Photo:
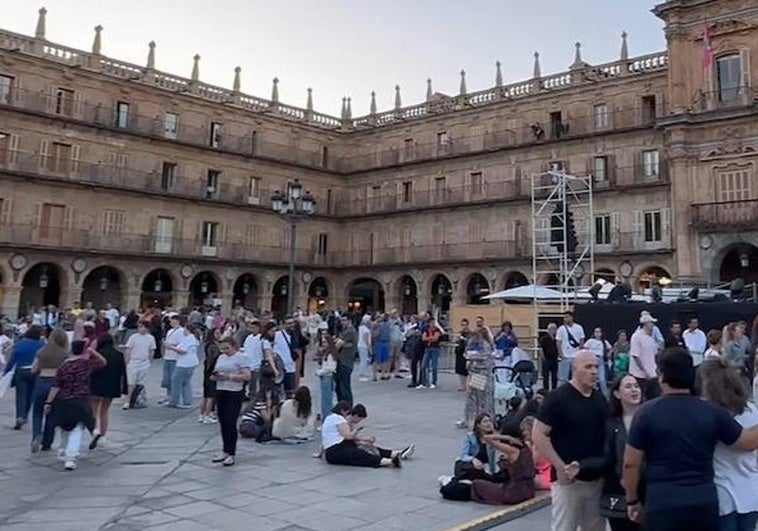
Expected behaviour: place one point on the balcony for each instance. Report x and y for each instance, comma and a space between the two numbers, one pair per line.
635, 242
84, 240
424, 254
725, 215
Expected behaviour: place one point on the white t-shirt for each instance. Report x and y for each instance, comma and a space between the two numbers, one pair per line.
174, 335
736, 472
231, 365
282, 342
112, 315
330, 435
577, 332
364, 333
189, 359
253, 349
139, 346
597, 346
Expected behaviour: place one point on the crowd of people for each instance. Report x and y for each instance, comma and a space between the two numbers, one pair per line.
651, 429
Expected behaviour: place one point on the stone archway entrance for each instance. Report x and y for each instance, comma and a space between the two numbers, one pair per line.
365, 295
318, 295
156, 289
41, 286
741, 261
408, 295
101, 286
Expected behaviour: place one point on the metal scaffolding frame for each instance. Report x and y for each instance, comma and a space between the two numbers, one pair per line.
558, 198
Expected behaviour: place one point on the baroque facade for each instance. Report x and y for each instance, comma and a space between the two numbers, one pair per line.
126, 184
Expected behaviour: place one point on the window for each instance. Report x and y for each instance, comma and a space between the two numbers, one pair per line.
439, 188
443, 142
254, 143
254, 189
168, 172
476, 184
209, 236
324, 156
733, 185
50, 222
122, 115
329, 201
164, 234
729, 77
64, 102
60, 158
6, 84
603, 229
650, 164
601, 116
322, 244
114, 222
649, 110
600, 169
215, 139
653, 226
212, 187
407, 192
170, 125
4, 147
557, 127
409, 148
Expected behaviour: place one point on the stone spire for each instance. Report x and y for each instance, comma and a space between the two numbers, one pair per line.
349, 109
195, 69
429, 90
343, 114
309, 101
237, 85
537, 70
151, 56
578, 63
624, 47
40, 31
275, 91
97, 44
498, 75
463, 83
398, 100
372, 107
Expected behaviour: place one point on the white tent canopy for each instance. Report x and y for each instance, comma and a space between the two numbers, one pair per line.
531, 292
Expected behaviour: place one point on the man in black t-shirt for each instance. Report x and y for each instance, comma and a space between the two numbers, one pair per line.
675, 435
570, 427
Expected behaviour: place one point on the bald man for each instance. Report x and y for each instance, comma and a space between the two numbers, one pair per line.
570, 428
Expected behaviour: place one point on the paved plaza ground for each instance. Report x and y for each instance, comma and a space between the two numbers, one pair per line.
154, 472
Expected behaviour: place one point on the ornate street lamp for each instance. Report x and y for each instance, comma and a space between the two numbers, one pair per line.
294, 206
44, 280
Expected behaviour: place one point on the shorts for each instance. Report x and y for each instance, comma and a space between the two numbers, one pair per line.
136, 374
209, 388
382, 352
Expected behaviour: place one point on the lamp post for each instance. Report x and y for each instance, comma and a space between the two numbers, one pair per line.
293, 206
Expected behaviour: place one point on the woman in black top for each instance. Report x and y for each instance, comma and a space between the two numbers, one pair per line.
625, 399
460, 356
106, 384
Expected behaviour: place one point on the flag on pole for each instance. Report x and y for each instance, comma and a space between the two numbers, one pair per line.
707, 48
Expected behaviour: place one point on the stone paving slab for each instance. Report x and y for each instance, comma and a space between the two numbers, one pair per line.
153, 471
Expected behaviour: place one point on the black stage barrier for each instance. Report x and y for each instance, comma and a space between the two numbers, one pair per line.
626, 316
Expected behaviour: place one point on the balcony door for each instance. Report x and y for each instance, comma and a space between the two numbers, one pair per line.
164, 234
51, 222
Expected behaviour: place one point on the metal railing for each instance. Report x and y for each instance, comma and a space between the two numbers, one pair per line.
731, 214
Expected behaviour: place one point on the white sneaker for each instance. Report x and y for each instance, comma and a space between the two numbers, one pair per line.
70, 464
444, 480
201, 419
125, 406
432, 386
422, 386
363, 379
210, 420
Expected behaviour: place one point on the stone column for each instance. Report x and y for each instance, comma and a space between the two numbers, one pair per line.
179, 299
70, 296
11, 300
131, 301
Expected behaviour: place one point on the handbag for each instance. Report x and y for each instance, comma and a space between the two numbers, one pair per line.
613, 506
477, 381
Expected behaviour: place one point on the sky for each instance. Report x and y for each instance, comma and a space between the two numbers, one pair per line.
349, 47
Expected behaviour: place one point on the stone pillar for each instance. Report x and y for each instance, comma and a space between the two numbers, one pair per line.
131, 301
179, 299
11, 300
226, 304
70, 296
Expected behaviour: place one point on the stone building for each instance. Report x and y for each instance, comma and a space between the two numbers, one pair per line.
123, 183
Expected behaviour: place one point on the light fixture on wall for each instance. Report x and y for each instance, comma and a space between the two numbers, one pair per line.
44, 280
283, 288
744, 261
441, 289
158, 285
104, 283
477, 287
407, 290
204, 286
319, 291
245, 288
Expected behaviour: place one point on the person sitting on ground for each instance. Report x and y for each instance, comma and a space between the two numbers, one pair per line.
296, 419
359, 414
476, 460
340, 442
516, 461
257, 421
542, 466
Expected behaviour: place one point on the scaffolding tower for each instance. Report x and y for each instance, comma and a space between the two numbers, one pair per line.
562, 233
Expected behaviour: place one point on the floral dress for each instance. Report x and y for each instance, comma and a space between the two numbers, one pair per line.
480, 361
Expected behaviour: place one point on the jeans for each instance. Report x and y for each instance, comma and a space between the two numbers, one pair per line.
738, 522
41, 389
342, 384
429, 366
327, 395
228, 405
549, 374
363, 363
71, 441
601, 376
416, 360
169, 366
564, 370
704, 517
181, 386
24, 381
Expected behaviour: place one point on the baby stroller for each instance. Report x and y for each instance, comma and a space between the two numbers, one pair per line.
513, 385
